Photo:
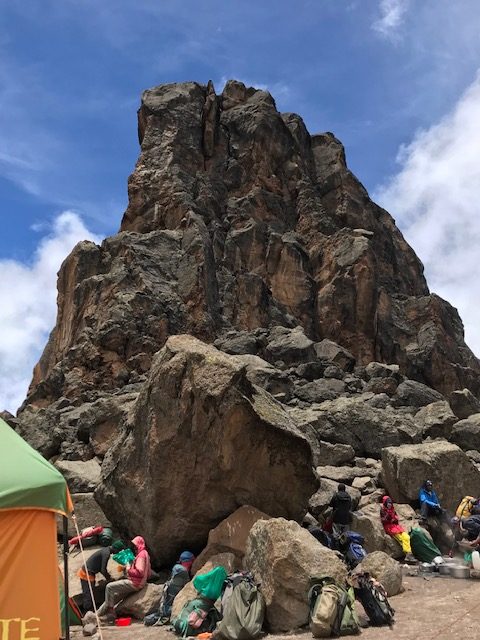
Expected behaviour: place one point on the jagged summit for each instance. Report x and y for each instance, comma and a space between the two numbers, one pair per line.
239, 219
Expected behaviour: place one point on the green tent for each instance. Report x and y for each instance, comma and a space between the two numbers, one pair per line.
32, 494
26, 478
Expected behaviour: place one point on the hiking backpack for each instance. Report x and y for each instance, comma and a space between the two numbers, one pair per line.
197, 616
374, 600
355, 554
243, 608
332, 609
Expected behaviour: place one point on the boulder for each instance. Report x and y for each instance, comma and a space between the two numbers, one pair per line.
351, 421
290, 346
371, 498
436, 420
387, 386
333, 454
364, 484
375, 370
88, 513
202, 441
320, 390
384, 569
415, 394
283, 557
466, 433
81, 477
405, 468
464, 403
238, 343
264, 375
345, 474
230, 536
321, 499
140, 604
329, 350
226, 560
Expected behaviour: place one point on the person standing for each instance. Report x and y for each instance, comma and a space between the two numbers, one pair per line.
97, 563
137, 575
341, 505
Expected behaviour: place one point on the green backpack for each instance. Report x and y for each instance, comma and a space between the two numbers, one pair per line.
332, 609
197, 616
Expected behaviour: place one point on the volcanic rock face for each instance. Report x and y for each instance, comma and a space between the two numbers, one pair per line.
238, 218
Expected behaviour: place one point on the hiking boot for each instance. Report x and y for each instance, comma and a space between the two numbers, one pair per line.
410, 559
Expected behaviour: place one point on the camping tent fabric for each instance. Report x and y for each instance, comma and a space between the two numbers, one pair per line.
29, 596
27, 480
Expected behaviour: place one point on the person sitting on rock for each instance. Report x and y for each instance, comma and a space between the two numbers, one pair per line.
138, 573
470, 530
341, 505
429, 502
391, 526
97, 563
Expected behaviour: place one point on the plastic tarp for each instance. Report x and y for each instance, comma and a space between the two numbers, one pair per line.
27, 480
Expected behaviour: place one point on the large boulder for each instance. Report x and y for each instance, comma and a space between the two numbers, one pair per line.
346, 474
143, 602
436, 420
202, 441
81, 476
329, 350
334, 454
352, 421
320, 390
283, 557
226, 560
384, 569
290, 346
464, 403
415, 394
405, 468
466, 433
230, 536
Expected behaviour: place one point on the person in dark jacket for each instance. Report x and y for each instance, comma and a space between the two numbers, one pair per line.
97, 563
470, 530
429, 502
341, 505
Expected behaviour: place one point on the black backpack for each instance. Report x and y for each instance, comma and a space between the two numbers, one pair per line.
373, 597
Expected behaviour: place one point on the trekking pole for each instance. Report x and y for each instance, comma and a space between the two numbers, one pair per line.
74, 518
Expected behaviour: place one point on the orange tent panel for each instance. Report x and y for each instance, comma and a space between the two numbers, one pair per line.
29, 597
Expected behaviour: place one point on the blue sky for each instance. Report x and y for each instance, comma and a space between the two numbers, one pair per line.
395, 80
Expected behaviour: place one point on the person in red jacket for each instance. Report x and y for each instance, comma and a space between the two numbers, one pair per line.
137, 575
389, 519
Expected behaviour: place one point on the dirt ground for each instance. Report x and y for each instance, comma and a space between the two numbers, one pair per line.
431, 608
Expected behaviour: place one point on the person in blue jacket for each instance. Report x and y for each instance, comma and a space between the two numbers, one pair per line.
429, 502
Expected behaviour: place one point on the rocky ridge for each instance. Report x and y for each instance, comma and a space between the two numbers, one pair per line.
309, 338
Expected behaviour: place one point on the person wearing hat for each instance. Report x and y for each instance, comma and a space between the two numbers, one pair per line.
429, 502
97, 563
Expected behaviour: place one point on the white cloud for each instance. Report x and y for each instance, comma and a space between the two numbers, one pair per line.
28, 306
392, 15
436, 197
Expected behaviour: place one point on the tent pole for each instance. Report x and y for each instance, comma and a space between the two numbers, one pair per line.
65, 574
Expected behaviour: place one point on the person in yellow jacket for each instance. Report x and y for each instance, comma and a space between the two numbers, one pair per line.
469, 506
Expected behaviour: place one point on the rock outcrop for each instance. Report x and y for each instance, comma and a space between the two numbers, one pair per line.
238, 218
202, 441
